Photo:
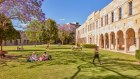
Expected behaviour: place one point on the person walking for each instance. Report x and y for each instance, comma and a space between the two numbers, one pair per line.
96, 55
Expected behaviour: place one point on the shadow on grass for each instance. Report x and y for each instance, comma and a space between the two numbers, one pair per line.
116, 65
36, 64
58, 48
77, 72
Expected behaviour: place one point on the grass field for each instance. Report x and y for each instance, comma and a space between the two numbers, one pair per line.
68, 64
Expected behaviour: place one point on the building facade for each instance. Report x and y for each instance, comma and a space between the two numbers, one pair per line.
23, 41
115, 27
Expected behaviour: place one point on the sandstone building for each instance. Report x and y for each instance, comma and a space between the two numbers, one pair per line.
115, 27
23, 41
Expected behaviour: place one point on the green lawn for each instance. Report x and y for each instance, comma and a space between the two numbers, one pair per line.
68, 64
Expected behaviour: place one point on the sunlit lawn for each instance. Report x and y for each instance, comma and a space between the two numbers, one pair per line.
68, 64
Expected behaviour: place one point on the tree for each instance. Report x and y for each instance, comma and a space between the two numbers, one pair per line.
8, 32
23, 10
61, 36
34, 30
67, 31
50, 31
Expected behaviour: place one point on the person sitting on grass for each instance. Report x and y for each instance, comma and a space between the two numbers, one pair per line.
45, 57
33, 57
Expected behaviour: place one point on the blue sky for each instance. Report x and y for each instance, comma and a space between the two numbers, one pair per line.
64, 11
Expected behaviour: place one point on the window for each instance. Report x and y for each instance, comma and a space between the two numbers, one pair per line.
120, 13
106, 19
101, 21
97, 23
112, 16
130, 8
93, 26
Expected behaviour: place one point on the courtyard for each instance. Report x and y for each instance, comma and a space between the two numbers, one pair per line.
67, 64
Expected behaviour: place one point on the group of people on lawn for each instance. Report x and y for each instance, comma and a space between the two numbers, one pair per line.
43, 57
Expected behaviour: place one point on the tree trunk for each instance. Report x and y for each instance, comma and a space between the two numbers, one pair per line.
35, 44
1, 45
48, 44
62, 42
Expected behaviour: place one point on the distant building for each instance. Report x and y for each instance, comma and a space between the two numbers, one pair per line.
23, 41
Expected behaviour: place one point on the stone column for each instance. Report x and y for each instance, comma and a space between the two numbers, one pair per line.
137, 42
96, 32
116, 41
109, 43
116, 46
125, 43
104, 43
87, 39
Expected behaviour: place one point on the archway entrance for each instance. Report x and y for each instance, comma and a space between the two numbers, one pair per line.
120, 40
106, 40
102, 41
112, 40
131, 41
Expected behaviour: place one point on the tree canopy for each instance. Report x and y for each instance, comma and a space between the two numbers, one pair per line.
50, 31
9, 32
23, 10
34, 31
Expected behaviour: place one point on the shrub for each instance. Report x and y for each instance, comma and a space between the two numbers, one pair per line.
78, 45
89, 45
137, 55
2, 53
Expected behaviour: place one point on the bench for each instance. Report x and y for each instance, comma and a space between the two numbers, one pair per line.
2, 53
76, 47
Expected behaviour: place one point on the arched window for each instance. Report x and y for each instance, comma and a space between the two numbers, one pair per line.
130, 8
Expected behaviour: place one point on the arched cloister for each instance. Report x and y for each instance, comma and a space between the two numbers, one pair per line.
130, 39
101, 41
120, 40
112, 40
106, 40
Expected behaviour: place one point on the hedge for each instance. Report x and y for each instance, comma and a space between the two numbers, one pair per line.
137, 55
89, 45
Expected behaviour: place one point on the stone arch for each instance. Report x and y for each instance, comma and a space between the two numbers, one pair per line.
101, 41
120, 40
106, 40
112, 40
130, 39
